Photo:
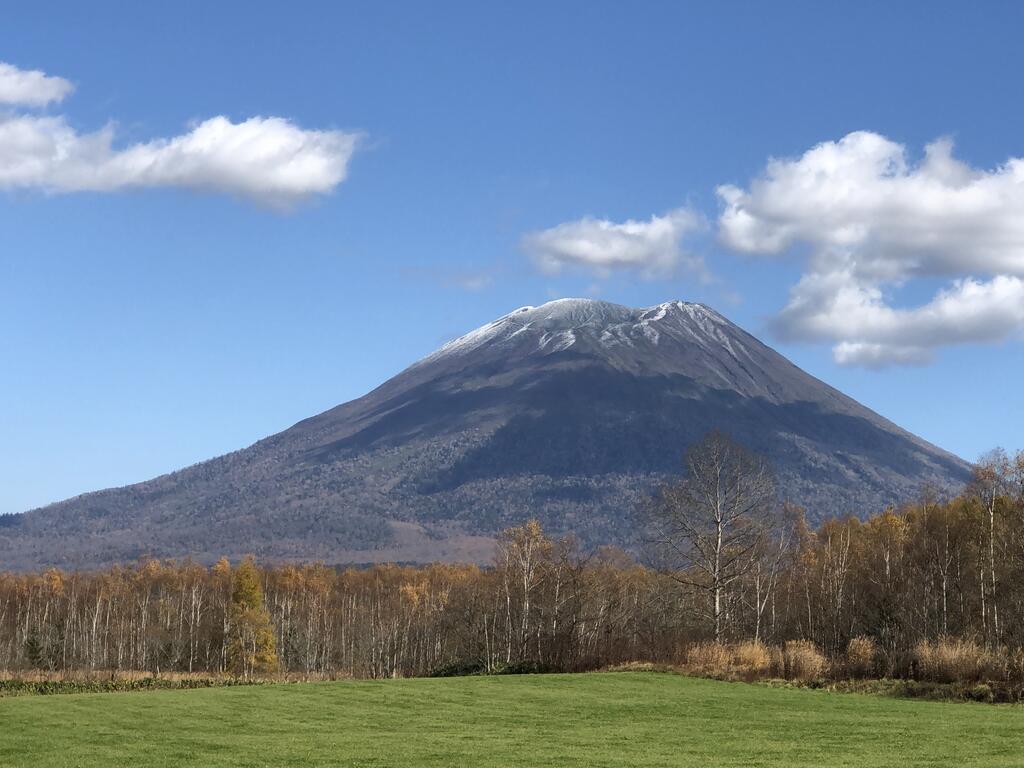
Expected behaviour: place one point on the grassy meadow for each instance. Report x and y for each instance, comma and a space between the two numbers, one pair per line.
613, 719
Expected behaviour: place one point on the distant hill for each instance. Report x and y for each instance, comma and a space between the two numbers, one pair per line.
570, 412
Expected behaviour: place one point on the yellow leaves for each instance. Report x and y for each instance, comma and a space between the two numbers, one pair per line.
247, 590
53, 580
423, 594
222, 566
149, 570
253, 648
526, 543
889, 525
414, 594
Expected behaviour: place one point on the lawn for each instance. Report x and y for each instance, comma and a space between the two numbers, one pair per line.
613, 719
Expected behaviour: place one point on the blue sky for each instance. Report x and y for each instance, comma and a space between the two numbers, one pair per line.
160, 306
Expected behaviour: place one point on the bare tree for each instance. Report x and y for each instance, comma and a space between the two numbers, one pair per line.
989, 485
709, 525
522, 553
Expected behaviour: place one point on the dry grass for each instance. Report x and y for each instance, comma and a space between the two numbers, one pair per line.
752, 658
1015, 665
639, 666
803, 661
709, 658
749, 660
956, 660
862, 657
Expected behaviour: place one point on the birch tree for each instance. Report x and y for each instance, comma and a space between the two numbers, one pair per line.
707, 526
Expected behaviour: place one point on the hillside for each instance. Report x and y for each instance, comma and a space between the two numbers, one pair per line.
570, 412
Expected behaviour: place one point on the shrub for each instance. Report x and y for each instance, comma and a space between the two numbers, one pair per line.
638, 666
524, 667
803, 661
954, 660
752, 657
43, 687
861, 657
1015, 665
460, 668
981, 692
709, 657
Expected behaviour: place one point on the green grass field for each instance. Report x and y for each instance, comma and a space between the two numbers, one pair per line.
614, 719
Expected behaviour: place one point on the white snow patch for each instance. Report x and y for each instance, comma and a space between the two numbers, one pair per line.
557, 342
559, 324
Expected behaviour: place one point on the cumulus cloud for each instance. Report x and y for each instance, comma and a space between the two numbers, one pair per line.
839, 307
266, 159
30, 88
870, 219
650, 247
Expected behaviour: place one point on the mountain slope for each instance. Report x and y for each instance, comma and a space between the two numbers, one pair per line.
571, 412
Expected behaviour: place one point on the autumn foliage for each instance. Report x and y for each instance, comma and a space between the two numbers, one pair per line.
933, 591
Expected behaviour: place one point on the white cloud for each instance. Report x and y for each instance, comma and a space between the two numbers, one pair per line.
30, 88
266, 159
870, 218
650, 247
838, 307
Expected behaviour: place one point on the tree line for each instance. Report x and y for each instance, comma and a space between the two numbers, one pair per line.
720, 561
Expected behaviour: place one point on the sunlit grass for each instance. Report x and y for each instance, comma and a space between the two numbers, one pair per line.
613, 719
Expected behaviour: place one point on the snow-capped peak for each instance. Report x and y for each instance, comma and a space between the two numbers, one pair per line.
557, 325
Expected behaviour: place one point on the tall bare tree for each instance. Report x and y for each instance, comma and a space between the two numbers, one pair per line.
708, 526
990, 486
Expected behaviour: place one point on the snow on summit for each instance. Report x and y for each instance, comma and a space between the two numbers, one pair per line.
557, 325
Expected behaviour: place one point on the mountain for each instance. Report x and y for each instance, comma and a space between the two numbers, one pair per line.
570, 412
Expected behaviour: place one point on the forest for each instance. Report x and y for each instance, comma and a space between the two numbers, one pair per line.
935, 587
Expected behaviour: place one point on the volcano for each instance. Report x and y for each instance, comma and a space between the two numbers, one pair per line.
570, 412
